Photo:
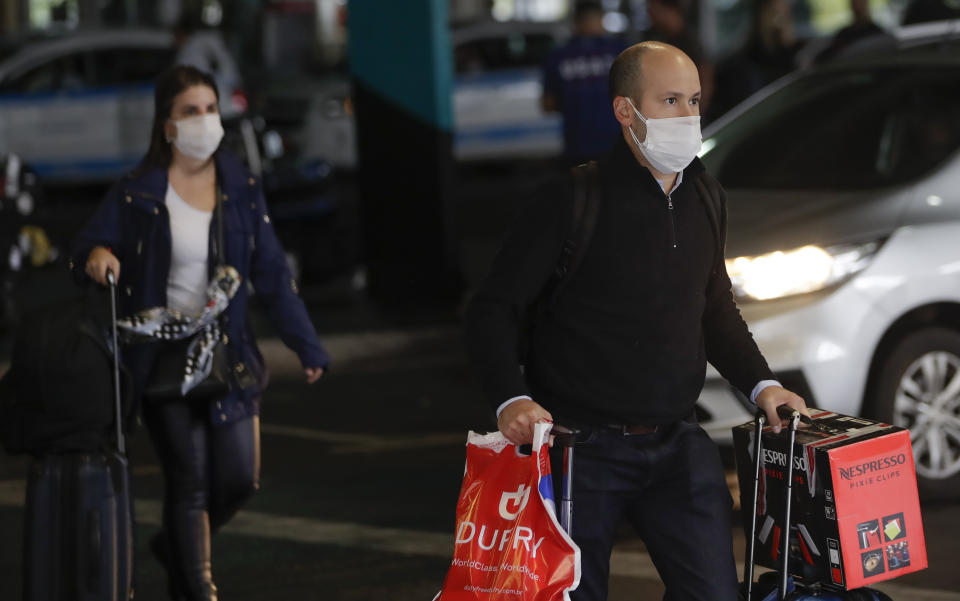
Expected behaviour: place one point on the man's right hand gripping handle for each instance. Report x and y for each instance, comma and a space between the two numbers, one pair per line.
517, 419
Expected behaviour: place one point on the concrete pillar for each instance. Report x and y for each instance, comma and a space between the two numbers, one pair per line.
402, 73
10, 16
14, 16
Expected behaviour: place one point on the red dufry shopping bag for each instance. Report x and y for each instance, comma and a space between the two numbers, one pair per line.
509, 545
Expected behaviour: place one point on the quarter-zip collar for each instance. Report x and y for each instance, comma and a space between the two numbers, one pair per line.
632, 174
676, 184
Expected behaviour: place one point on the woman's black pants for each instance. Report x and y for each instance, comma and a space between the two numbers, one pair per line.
209, 472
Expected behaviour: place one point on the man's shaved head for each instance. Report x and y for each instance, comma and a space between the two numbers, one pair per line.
652, 80
626, 72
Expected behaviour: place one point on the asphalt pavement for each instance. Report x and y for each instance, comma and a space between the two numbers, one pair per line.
359, 485
361, 472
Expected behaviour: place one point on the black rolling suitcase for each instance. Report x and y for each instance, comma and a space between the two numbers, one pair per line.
78, 531
783, 587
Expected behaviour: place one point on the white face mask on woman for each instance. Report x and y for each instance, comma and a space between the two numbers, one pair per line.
198, 137
671, 144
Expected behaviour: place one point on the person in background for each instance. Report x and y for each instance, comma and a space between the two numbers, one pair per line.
769, 53
202, 46
862, 27
575, 84
670, 24
158, 232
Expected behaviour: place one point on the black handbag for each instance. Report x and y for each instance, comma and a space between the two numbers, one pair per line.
166, 377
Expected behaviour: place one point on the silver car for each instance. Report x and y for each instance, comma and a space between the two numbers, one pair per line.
844, 242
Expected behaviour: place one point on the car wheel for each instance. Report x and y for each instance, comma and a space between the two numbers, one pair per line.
918, 387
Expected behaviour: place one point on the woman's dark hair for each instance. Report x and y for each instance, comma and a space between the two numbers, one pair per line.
168, 85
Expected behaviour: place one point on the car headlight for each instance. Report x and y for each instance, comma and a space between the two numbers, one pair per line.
798, 271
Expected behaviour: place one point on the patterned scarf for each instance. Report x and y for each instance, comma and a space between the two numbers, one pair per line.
161, 323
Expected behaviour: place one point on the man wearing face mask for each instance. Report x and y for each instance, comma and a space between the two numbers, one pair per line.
621, 353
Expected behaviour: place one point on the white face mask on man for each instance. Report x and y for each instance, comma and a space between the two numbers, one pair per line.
198, 137
671, 143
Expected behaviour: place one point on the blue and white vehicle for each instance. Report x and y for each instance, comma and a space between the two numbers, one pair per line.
497, 89
78, 108
496, 99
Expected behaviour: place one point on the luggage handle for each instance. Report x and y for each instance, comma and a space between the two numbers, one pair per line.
566, 438
118, 410
787, 412
794, 417
761, 419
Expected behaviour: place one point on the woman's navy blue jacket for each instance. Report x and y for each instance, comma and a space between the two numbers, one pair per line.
132, 221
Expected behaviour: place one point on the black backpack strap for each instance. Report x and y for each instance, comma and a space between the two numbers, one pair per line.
711, 195
586, 206
583, 219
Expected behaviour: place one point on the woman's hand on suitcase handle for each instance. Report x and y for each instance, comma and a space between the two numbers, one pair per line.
772, 397
517, 419
99, 262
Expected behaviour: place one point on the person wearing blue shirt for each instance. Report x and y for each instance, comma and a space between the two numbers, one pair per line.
575, 84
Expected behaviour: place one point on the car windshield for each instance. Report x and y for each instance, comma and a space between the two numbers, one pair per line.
842, 130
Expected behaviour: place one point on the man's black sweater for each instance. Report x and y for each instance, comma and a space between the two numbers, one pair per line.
628, 339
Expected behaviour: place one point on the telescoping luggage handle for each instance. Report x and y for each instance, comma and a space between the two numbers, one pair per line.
118, 410
795, 418
566, 438
757, 454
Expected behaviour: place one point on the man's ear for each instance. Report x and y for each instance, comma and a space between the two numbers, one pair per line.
623, 111
627, 118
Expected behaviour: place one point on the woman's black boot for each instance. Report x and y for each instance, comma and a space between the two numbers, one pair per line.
160, 551
191, 559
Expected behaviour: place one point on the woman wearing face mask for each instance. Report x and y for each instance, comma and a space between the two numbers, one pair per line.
183, 234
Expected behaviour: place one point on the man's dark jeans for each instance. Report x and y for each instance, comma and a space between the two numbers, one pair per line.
670, 486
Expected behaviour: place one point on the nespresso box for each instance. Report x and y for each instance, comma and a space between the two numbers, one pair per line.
856, 513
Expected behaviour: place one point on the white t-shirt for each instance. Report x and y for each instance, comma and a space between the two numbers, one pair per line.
190, 238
